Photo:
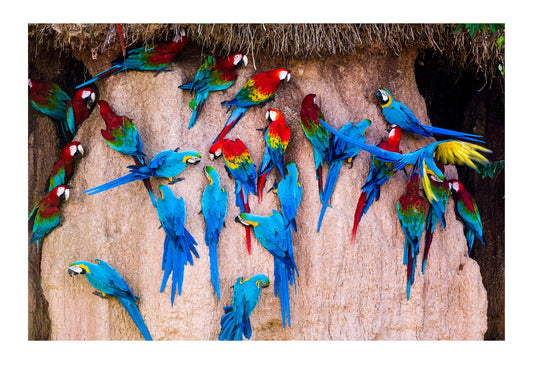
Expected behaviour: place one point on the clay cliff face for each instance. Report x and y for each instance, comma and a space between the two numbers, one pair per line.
342, 293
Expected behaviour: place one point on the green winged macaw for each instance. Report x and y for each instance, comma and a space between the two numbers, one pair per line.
379, 173
289, 192
214, 208
239, 162
64, 167
466, 208
236, 319
146, 58
79, 108
424, 159
108, 282
213, 75
310, 117
179, 243
167, 164
277, 136
275, 234
340, 151
256, 91
398, 114
411, 210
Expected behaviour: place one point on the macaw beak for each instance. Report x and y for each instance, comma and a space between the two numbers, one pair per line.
80, 149
194, 160
244, 60
264, 285
240, 220
75, 270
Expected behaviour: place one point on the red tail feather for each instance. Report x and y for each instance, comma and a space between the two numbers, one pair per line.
357, 215
260, 185
320, 182
248, 236
429, 239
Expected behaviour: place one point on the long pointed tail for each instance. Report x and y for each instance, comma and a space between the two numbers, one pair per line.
331, 180
242, 202
236, 115
114, 183
228, 329
261, 180
358, 214
455, 134
107, 72
196, 105
135, 314
411, 262
213, 262
139, 161
283, 277
430, 228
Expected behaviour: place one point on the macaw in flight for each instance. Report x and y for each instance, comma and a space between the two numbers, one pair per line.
167, 164
340, 151
108, 282
64, 167
257, 91
397, 113
466, 208
274, 233
277, 136
379, 173
178, 241
242, 168
411, 210
310, 117
289, 192
236, 319
145, 58
214, 208
213, 75
79, 108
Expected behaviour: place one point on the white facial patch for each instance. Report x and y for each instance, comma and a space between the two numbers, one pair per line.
86, 93
76, 269
73, 149
384, 95
236, 59
284, 75
455, 186
193, 160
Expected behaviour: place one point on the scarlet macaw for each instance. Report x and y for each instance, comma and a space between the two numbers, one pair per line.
257, 91
63, 169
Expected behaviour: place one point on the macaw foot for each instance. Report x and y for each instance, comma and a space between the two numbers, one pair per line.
350, 161
100, 294
175, 180
177, 149
262, 129
162, 70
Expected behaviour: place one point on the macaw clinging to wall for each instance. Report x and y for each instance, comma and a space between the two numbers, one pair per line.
310, 117
339, 152
236, 319
166, 164
275, 234
257, 91
277, 136
289, 192
213, 75
79, 108
411, 210
379, 173
436, 210
397, 113
214, 208
64, 167
466, 208
242, 168
108, 282
178, 241
145, 58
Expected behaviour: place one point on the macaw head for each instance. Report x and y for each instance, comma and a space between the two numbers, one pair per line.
247, 219
292, 171
283, 74
60, 192
86, 94
211, 174
216, 150
384, 97
70, 150
273, 114
455, 185
79, 268
260, 280
238, 58
191, 157
309, 100
105, 109
434, 177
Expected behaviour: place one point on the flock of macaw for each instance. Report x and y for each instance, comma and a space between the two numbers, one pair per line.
275, 231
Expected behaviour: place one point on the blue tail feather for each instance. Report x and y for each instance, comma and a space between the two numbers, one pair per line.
331, 180
228, 329
213, 261
199, 98
114, 183
134, 313
115, 68
456, 134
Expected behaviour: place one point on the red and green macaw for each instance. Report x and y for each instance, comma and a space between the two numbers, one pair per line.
310, 117
411, 210
79, 108
178, 241
379, 173
145, 58
436, 210
277, 136
108, 282
275, 234
398, 114
257, 91
339, 152
242, 168
63, 169
214, 208
466, 208
236, 319
213, 75
289, 192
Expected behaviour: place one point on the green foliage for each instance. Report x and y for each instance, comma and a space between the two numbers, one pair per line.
491, 169
472, 28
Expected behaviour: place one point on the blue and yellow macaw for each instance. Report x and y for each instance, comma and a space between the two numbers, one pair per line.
339, 152
466, 208
398, 114
239, 162
178, 241
275, 234
289, 192
213, 75
411, 210
166, 164
236, 319
108, 282
277, 136
424, 159
214, 208
310, 117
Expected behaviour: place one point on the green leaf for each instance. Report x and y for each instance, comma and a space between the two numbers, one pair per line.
491, 169
500, 42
